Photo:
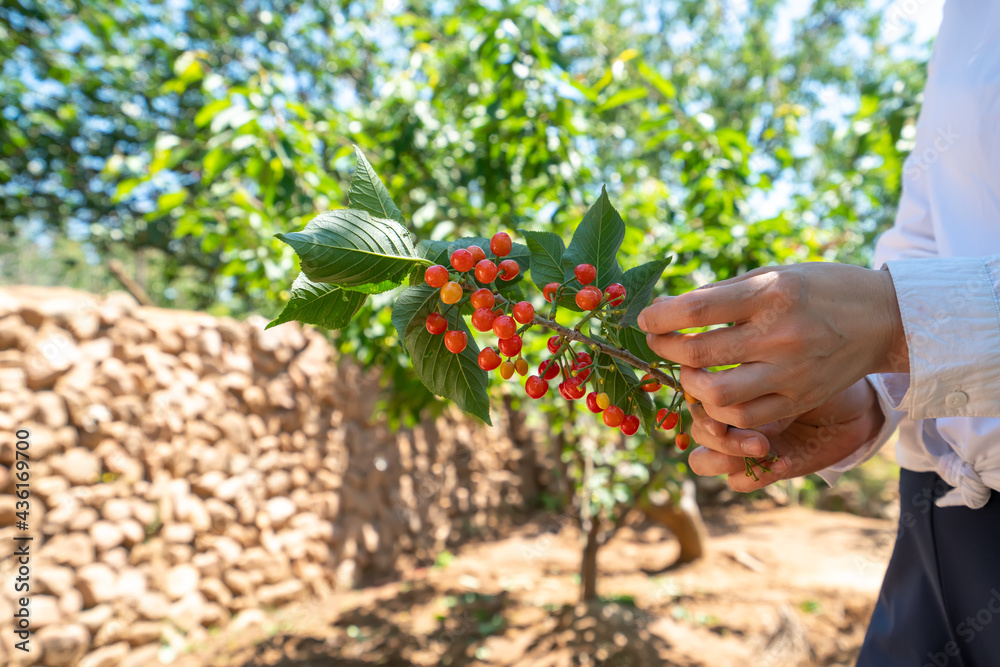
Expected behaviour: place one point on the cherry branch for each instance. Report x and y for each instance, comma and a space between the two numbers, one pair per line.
610, 350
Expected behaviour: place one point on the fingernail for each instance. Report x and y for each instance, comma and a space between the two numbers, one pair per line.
753, 447
641, 321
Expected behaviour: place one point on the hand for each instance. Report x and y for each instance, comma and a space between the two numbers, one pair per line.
802, 334
804, 444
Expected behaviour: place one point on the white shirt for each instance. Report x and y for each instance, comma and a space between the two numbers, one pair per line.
944, 257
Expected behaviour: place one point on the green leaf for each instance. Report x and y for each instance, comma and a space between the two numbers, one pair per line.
618, 380
320, 304
453, 376
639, 282
597, 240
547, 251
633, 339
368, 193
354, 251
665, 87
620, 98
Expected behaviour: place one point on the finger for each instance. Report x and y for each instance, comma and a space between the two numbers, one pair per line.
718, 347
700, 308
708, 463
731, 386
754, 413
734, 442
713, 427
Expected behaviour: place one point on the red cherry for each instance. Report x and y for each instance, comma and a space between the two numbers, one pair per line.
588, 298
614, 416
630, 425
549, 291
592, 403
554, 344
583, 359
436, 324
535, 386
504, 326
615, 293
524, 312
482, 319
650, 384
482, 298
488, 359
509, 269
548, 369
478, 254
461, 260
486, 271
682, 440
574, 388
667, 420
585, 273
500, 244
510, 347
436, 276
455, 341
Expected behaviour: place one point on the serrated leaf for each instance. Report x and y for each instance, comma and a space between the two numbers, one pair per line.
618, 381
456, 377
633, 339
320, 304
354, 251
597, 240
547, 251
368, 193
639, 282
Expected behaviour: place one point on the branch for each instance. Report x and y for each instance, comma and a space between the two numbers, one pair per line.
611, 351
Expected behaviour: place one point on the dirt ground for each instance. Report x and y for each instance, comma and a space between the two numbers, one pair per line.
780, 586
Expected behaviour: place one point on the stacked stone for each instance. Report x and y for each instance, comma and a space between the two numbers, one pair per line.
186, 469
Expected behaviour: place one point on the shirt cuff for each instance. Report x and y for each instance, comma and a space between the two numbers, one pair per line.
952, 323
866, 451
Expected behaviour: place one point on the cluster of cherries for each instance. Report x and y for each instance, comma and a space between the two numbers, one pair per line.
575, 373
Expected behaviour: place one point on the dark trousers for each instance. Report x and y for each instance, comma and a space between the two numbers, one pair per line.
940, 602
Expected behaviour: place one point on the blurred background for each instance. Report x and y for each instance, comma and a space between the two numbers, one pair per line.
211, 493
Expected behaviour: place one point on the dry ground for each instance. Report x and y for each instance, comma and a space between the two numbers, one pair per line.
781, 586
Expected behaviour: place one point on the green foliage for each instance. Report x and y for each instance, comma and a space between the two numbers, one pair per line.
320, 304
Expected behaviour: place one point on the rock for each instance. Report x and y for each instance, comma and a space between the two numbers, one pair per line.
78, 465
132, 532
106, 656
132, 584
70, 602
280, 593
53, 580
8, 511
153, 605
44, 611
187, 613
97, 583
142, 632
83, 519
105, 535
72, 549
50, 409
145, 656
63, 644
181, 580
279, 509
50, 354
116, 510
216, 591
179, 533
96, 617
248, 619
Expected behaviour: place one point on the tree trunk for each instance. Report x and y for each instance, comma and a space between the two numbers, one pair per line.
588, 566
683, 520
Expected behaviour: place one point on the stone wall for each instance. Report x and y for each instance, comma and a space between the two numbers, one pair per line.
186, 468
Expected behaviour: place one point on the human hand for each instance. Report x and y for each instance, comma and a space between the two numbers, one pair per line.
804, 444
802, 334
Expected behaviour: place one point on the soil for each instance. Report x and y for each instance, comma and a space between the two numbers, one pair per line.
779, 586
